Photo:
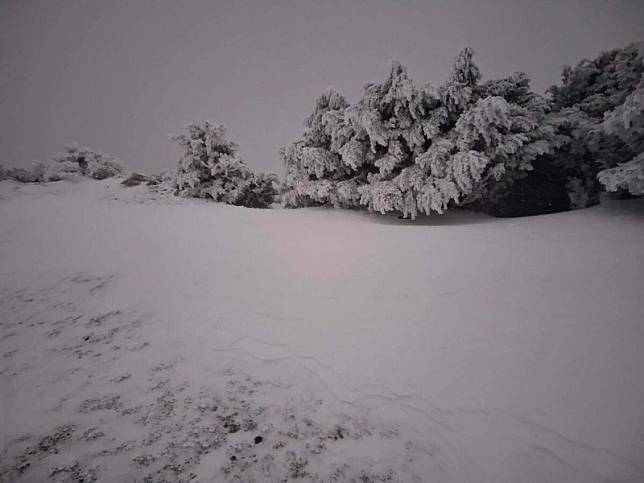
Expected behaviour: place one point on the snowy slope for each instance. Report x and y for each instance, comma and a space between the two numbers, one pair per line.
180, 339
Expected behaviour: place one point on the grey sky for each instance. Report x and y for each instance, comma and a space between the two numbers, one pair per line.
120, 75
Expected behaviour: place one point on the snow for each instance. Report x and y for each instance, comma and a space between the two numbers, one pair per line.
146, 335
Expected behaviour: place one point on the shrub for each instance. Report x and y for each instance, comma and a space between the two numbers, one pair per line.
76, 161
22, 175
73, 163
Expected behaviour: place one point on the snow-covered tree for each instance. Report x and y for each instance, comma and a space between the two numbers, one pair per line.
628, 176
314, 164
600, 85
210, 167
460, 89
594, 109
410, 149
495, 146
627, 123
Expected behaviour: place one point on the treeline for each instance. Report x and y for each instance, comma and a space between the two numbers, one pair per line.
493, 146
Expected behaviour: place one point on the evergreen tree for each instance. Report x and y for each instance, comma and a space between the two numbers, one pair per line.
600, 85
460, 90
495, 146
210, 167
592, 90
314, 164
409, 149
628, 176
627, 123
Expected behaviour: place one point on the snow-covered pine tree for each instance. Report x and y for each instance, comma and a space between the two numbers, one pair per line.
590, 91
460, 89
628, 176
314, 164
475, 141
496, 140
627, 123
409, 149
507, 125
210, 167
203, 148
396, 121
601, 84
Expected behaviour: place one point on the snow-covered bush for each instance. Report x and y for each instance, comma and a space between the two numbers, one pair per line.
73, 163
410, 149
22, 175
210, 167
77, 161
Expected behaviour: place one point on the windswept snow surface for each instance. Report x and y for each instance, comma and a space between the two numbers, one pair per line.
150, 338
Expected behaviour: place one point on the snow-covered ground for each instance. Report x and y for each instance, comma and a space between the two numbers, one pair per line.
151, 338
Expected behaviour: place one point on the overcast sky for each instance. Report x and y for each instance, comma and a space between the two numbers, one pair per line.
120, 76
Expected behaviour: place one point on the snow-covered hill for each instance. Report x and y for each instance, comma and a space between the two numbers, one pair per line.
151, 337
